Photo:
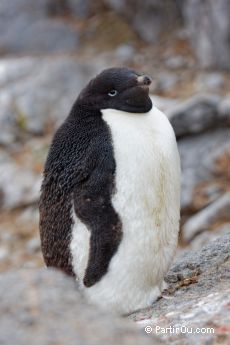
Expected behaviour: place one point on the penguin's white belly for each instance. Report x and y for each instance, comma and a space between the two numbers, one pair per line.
147, 199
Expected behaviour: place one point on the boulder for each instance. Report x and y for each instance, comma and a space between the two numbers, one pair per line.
4, 253
197, 300
199, 154
7, 121
166, 82
208, 28
28, 27
163, 103
79, 8
213, 82
175, 62
216, 212
224, 110
33, 245
195, 115
149, 18
205, 237
201, 126
19, 186
206, 22
38, 93
45, 307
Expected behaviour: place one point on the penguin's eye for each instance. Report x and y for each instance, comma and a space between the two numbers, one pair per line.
113, 93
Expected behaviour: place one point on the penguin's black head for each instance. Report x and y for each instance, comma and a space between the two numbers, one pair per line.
117, 88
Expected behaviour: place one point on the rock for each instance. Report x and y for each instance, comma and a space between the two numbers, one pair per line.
219, 210
29, 215
41, 95
6, 237
163, 103
18, 186
207, 25
32, 30
198, 160
4, 253
176, 62
44, 307
201, 118
166, 82
209, 236
11, 70
149, 18
8, 132
79, 8
197, 298
33, 245
124, 52
210, 82
224, 110
212, 192
208, 28
224, 229
195, 115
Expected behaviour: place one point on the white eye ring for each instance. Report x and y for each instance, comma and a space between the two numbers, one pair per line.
113, 93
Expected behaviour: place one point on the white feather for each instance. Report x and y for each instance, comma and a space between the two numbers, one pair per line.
147, 200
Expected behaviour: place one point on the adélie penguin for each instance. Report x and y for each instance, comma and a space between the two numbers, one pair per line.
110, 197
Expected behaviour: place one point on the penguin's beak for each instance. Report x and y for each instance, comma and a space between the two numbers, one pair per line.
144, 80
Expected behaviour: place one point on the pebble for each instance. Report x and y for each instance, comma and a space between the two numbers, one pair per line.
33, 245
4, 253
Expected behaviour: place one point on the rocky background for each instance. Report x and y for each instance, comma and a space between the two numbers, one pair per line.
49, 49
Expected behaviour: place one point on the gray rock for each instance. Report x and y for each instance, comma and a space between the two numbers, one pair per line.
44, 307
208, 28
40, 96
217, 211
163, 103
197, 297
198, 156
18, 186
148, 17
223, 229
7, 121
27, 27
29, 215
124, 52
212, 192
4, 253
33, 245
209, 236
6, 237
210, 82
224, 110
176, 61
166, 82
11, 70
79, 8
194, 115
67, 8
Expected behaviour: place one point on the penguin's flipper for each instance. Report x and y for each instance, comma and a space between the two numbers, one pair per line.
92, 204
103, 245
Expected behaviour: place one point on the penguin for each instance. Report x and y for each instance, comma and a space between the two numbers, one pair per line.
110, 196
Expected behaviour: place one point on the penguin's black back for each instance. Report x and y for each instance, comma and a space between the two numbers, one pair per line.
79, 174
